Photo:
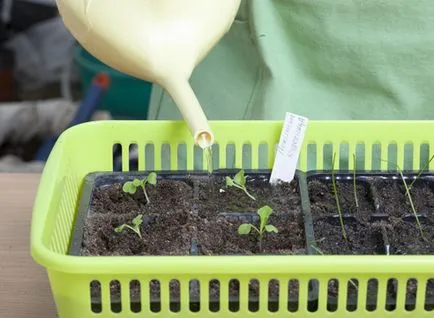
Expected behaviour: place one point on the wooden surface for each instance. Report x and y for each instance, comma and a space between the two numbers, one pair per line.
24, 287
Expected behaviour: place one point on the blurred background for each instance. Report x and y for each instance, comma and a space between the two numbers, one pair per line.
48, 83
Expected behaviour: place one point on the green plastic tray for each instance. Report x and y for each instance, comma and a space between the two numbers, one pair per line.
166, 145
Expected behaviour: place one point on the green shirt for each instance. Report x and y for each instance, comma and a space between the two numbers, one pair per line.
324, 59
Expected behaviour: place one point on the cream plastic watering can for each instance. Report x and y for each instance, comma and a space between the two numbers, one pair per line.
160, 41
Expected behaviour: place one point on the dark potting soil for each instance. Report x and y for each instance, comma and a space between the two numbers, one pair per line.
217, 235
165, 230
323, 201
360, 239
392, 197
423, 198
198, 213
216, 197
220, 237
364, 230
181, 213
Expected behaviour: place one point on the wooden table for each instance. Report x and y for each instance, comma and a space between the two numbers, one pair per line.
24, 287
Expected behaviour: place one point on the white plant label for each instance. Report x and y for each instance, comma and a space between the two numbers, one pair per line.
288, 150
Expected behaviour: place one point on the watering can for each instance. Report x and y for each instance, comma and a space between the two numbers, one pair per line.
159, 41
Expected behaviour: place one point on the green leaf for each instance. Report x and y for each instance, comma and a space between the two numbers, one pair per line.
129, 187
138, 220
119, 229
271, 228
229, 182
152, 178
264, 213
240, 179
137, 182
244, 229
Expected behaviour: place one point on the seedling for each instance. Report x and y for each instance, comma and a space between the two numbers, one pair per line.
354, 182
338, 206
420, 172
317, 249
132, 186
136, 222
264, 214
413, 209
407, 192
239, 181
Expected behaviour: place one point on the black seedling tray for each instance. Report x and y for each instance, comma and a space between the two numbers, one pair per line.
97, 180
366, 179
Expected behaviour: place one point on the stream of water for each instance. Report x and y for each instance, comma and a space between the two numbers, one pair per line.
208, 155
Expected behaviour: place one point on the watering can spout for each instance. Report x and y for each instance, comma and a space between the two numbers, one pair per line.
160, 41
189, 106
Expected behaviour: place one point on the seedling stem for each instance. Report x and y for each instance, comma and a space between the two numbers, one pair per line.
239, 181
337, 198
136, 222
131, 186
420, 172
407, 192
264, 214
317, 249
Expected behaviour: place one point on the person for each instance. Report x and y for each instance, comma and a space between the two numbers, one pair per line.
323, 59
